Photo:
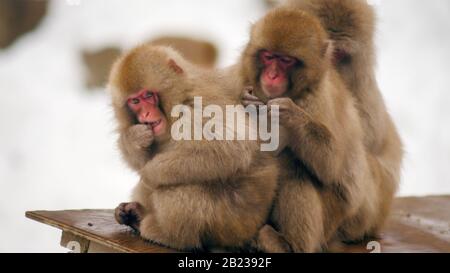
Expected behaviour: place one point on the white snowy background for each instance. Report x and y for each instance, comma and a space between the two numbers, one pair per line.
57, 144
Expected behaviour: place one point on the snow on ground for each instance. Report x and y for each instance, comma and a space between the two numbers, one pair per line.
57, 147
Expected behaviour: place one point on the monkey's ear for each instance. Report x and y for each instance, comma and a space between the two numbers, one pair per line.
175, 67
327, 49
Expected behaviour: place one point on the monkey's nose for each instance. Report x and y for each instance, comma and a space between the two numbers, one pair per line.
144, 117
273, 75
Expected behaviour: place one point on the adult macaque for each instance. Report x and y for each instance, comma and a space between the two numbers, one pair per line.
328, 188
192, 194
351, 25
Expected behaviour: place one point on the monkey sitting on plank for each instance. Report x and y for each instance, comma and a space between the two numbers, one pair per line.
351, 26
192, 194
330, 185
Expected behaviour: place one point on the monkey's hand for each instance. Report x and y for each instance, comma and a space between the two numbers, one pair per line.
312, 141
289, 114
213, 161
139, 136
134, 144
249, 99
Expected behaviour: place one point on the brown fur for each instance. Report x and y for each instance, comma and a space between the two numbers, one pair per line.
351, 26
327, 188
196, 194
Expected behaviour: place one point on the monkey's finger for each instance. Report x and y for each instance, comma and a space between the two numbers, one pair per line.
148, 132
273, 114
119, 212
256, 103
274, 104
248, 96
249, 89
141, 129
149, 129
269, 111
279, 115
280, 108
280, 101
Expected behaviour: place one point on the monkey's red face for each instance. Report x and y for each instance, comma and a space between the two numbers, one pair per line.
275, 73
145, 105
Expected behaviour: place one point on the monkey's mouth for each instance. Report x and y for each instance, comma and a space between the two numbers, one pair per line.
158, 127
155, 123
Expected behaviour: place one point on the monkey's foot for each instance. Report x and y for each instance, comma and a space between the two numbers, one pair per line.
271, 241
130, 214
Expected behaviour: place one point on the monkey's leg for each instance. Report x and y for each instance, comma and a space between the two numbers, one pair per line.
371, 216
299, 215
150, 230
269, 240
175, 217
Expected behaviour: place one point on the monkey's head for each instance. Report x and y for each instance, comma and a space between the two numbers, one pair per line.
287, 54
145, 84
350, 24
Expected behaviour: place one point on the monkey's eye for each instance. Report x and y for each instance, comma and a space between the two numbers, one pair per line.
148, 95
134, 101
267, 56
288, 60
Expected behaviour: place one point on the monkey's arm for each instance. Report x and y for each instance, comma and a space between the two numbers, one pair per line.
319, 148
134, 144
198, 162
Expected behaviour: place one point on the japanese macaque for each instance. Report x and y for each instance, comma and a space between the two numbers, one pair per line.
192, 195
331, 187
351, 26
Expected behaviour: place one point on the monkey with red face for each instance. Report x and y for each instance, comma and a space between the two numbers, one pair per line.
276, 67
191, 194
145, 104
328, 189
351, 26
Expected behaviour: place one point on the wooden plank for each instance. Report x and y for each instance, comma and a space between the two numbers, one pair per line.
97, 226
416, 225
430, 214
99, 248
